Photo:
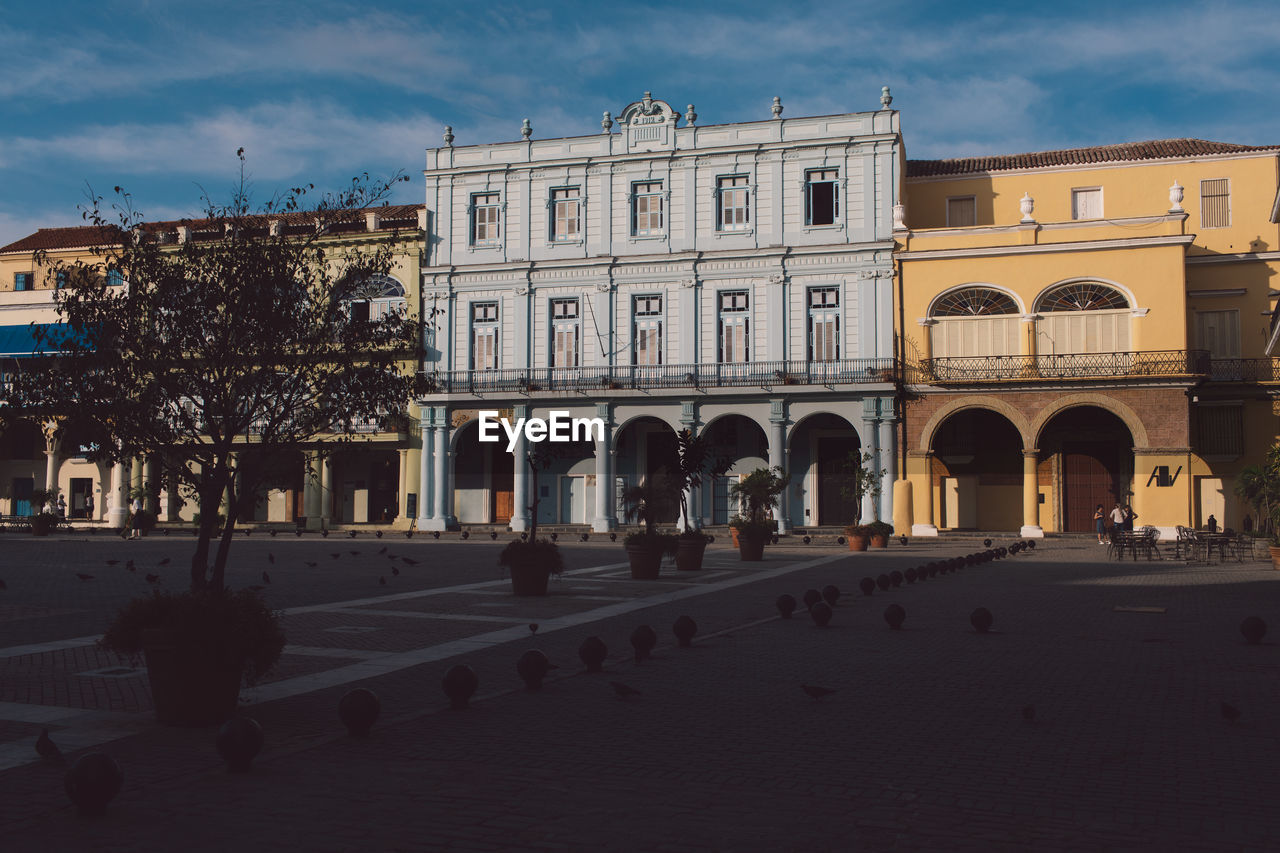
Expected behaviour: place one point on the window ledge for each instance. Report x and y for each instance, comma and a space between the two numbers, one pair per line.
554, 243
740, 232
484, 247
839, 226
636, 238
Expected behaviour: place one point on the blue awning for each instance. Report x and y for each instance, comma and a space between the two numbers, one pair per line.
20, 341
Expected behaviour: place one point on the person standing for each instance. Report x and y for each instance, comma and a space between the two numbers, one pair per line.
1117, 519
1100, 524
62, 509
88, 506
135, 520
1129, 516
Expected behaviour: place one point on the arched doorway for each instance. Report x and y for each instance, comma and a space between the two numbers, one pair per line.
366, 484
977, 469
645, 446
277, 485
822, 449
483, 478
741, 442
22, 459
1093, 449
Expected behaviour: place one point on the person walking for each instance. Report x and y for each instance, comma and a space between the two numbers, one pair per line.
1100, 524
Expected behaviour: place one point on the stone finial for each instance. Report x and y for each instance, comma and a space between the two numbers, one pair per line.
273, 228
448, 136
885, 98
690, 116
777, 107
606, 123
899, 217
1027, 205
1175, 197
372, 220
184, 233
526, 130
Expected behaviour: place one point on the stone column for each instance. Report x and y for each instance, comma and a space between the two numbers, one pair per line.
152, 500
778, 458
442, 504
173, 499
520, 519
402, 492
424, 473
326, 491
118, 509
871, 430
926, 527
1030, 497
889, 462
51, 470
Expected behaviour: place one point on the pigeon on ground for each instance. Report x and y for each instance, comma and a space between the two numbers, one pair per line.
112, 562
152, 578
623, 691
257, 587
818, 693
164, 562
311, 564
355, 553
335, 555
382, 550
84, 577
128, 564
395, 571
382, 579
266, 578
408, 561
46, 747
1029, 713
533, 627
271, 558
3, 585
1230, 713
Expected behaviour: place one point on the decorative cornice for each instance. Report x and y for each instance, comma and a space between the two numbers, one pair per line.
1049, 248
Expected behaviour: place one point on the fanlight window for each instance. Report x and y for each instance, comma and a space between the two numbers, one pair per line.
376, 297
974, 302
1082, 296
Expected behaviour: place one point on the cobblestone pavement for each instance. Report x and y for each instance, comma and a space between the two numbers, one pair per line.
922, 746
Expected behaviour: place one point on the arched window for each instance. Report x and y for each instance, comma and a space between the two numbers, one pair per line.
974, 302
376, 297
1082, 317
974, 321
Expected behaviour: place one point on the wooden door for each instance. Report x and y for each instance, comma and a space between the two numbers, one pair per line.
503, 495
833, 455
1090, 473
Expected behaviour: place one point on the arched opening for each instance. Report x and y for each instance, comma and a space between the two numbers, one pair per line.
975, 320
741, 442
483, 478
366, 485
1092, 454
976, 468
822, 446
1082, 317
278, 485
646, 446
22, 461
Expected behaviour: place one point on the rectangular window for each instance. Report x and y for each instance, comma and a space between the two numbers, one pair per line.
565, 333
822, 196
485, 219
735, 327
1219, 332
733, 197
1220, 430
647, 330
484, 336
115, 278
566, 214
1086, 203
646, 209
824, 324
60, 279
1215, 203
22, 280
962, 211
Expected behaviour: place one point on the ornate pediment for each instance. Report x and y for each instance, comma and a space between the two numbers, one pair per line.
648, 124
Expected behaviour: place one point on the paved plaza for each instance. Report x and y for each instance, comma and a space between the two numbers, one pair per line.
922, 746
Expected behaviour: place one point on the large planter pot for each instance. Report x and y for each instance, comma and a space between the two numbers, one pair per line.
689, 553
1275, 557
190, 685
858, 543
750, 547
646, 561
529, 580
880, 541
41, 524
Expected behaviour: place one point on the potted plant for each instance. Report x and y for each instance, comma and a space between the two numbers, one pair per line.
758, 494
42, 520
648, 502
696, 461
859, 536
199, 647
1259, 485
880, 532
532, 561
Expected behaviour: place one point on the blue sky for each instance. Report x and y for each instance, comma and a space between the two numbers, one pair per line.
157, 96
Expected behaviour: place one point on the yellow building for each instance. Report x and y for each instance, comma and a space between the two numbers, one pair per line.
1086, 327
370, 481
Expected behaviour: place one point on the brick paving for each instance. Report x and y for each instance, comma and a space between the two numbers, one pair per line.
923, 745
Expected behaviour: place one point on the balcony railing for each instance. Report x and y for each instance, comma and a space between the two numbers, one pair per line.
1245, 370
1094, 365
760, 374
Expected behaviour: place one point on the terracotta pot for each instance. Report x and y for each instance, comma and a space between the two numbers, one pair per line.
646, 561
529, 580
751, 548
880, 541
858, 543
190, 685
689, 553
1275, 557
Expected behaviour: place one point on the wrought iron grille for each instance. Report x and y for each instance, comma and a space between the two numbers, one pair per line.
1092, 365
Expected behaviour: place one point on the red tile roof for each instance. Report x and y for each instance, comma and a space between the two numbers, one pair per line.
351, 221
1157, 149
